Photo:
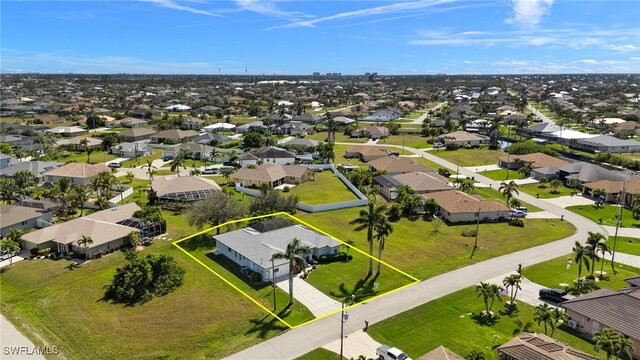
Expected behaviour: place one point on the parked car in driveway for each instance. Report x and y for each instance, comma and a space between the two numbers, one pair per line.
210, 171
5, 254
517, 213
385, 352
555, 295
114, 165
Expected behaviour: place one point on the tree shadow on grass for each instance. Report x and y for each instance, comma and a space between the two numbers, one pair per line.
235, 270
361, 287
510, 311
483, 320
268, 323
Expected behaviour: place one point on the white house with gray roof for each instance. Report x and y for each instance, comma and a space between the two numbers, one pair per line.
252, 248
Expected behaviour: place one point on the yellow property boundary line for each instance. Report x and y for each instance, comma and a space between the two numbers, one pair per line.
177, 242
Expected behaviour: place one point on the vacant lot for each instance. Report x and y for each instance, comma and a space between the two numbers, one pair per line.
501, 174
470, 157
449, 321
418, 249
414, 141
626, 245
325, 189
546, 192
608, 214
340, 137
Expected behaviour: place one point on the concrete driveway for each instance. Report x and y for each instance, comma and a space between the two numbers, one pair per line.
354, 345
566, 201
528, 294
318, 303
23, 255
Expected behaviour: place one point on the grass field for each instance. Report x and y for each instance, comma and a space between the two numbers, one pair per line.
157, 153
340, 159
626, 245
554, 272
470, 157
501, 174
414, 248
545, 193
607, 213
325, 189
340, 137
204, 318
414, 141
449, 321
81, 157
319, 354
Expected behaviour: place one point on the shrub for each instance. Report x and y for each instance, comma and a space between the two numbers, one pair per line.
329, 258
516, 222
469, 233
285, 189
444, 172
255, 277
468, 146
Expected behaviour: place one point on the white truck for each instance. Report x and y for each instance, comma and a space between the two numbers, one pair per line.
385, 352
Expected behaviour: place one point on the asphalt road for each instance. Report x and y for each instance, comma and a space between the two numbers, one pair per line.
300, 341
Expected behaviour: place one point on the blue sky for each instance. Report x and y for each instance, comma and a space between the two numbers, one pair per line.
303, 36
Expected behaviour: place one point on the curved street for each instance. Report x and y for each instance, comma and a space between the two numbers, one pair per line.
300, 341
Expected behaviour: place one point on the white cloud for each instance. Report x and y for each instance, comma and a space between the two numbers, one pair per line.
587, 61
528, 13
169, 4
378, 10
621, 48
468, 62
268, 8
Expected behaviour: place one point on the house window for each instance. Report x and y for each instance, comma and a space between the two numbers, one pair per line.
229, 249
23, 223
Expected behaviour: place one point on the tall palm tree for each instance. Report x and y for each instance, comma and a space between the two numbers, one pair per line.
603, 248
611, 342
581, 255
177, 163
383, 229
557, 316
592, 248
513, 281
292, 253
368, 219
466, 186
542, 314
79, 196
508, 189
85, 241
85, 145
150, 169
489, 293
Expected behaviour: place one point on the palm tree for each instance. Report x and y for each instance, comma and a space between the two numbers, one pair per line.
475, 355
150, 169
489, 293
466, 186
85, 145
368, 219
11, 243
573, 184
86, 241
602, 248
555, 184
292, 253
513, 281
382, 229
543, 182
79, 197
134, 238
522, 327
542, 314
592, 248
177, 163
508, 189
611, 342
598, 194
557, 316
581, 255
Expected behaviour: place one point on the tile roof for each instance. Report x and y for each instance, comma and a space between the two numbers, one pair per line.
455, 201
175, 134
440, 353
528, 346
78, 170
393, 164
15, 214
614, 309
421, 181
633, 281
586, 172
270, 172
462, 136
537, 160
271, 152
367, 150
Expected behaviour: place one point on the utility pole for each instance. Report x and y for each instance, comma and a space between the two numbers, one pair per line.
273, 284
618, 224
475, 243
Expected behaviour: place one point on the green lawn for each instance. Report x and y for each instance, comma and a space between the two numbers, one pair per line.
326, 188
81, 157
607, 213
414, 141
432, 164
449, 321
626, 245
554, 272
490, 193
340, 159
340, 137
414, 248
319, 354
545, 193
470, 157
501, 174
157, 153
204, 318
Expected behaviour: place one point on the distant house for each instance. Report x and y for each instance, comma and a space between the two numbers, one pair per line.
78, 173
132, 149
308, 118
192, 123
178, 108
208, 137
293, 128
208, 109
462, 138
528, 346
179, 188
77, 143
6, 161
394, 165
272, 175
37, 168
605, 308
67, 131
343, 120
537, 160
457, 206
386, 114
137, 134
22, 218
219, 127
129, 122
255, 126
480, 126
174, 136
302, 142
613, 189
420, 182
104, 227
253, 247
608, 144
373, 132
586, 172
269, 154
365, 153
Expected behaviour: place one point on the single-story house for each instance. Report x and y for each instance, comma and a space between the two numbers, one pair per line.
418, 181
77, 143
208, 109
255, 126
178, 108
102, 227
373, 132
192, 123
308, 118
272, 174
78, 173
179, 188
293, 128
219, 127
6, 161
527, 346
440, 353
173, 135
37, 168
67, 131
586, 172
457, 206
613, 189
394, 165
208, 137
481, 126
132, 149
608, 144
462, 138
269, 154
136, 134
606, 308
343, 120
129, 122
537, 160
253, 247
365, 153
21, 218
548, 172
386, 114
302, 142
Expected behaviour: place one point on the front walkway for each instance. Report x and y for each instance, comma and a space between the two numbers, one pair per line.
318, 303
565, 201
483, 168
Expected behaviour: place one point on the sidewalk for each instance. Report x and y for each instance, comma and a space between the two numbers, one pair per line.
626, 259
628, 232
13, 340
318, 303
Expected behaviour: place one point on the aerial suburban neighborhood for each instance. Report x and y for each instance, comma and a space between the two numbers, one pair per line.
178, 180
